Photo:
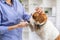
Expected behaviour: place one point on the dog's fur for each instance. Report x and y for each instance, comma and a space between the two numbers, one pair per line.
46, 30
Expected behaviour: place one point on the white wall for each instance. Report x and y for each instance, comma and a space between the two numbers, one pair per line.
58, 15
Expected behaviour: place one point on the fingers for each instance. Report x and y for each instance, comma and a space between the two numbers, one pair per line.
39, 10
24, 24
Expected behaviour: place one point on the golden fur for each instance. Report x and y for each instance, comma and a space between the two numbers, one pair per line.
39, 17
58, 38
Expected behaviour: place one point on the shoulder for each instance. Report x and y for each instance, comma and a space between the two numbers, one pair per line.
49, 26
19, 5
49, 22
17, 1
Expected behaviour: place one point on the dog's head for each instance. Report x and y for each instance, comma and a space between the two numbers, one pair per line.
39, 18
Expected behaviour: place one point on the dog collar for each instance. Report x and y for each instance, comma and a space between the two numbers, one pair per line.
40, 25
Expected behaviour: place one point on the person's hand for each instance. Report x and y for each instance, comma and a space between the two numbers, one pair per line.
23, 24
20, 25
39, 10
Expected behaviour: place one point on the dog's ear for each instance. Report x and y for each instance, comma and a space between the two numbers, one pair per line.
45, 17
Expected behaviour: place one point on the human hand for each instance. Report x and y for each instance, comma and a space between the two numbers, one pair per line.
23, 24
20, 25
39, 10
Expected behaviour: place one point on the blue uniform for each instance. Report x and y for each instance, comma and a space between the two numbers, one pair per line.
11, 15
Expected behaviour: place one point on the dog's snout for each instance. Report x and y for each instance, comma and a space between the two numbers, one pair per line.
38, 25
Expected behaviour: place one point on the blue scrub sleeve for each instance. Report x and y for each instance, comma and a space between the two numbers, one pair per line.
3, 29
26, 16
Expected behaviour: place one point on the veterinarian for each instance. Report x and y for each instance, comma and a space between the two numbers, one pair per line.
12, 19
11, 15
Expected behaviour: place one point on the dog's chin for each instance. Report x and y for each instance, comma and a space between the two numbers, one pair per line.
38, 25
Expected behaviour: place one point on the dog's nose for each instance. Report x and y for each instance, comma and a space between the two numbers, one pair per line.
28, 21
38, 25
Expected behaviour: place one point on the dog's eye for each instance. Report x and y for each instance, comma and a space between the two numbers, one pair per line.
34, 17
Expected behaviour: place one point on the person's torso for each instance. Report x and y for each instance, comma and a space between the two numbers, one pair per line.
10, 16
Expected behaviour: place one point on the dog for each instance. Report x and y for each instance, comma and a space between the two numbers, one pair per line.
42, 27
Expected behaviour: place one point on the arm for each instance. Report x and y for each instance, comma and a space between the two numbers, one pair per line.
4, 29
20, 9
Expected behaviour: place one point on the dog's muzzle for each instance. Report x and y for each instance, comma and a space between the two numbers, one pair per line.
38, 26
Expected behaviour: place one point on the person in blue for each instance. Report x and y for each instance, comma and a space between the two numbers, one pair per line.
12, 19
12, 14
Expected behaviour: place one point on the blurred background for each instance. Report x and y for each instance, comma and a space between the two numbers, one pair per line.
50, 7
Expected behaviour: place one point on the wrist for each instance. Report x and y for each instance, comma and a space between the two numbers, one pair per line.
17, 26
13, 27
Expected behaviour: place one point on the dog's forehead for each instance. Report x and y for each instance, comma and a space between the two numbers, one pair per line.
36, 13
